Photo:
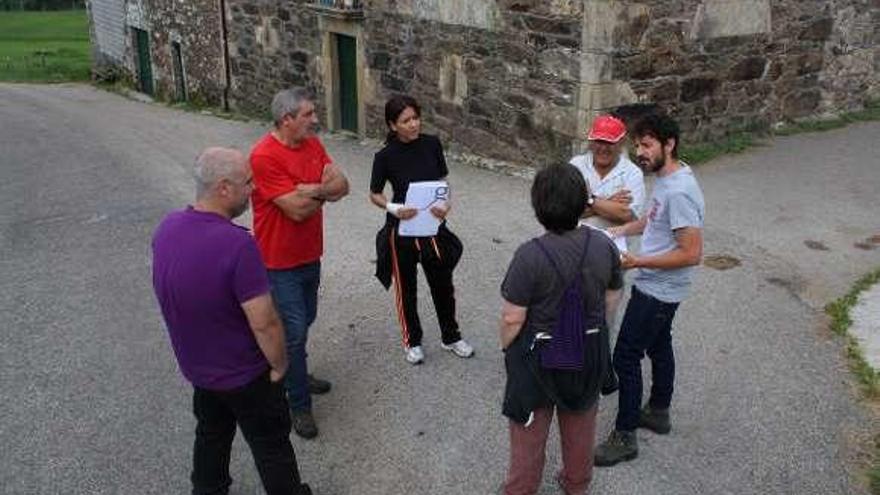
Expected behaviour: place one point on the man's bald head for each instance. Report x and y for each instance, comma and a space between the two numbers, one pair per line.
215, 164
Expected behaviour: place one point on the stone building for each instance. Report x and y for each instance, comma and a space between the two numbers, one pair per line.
512, 80
172, 49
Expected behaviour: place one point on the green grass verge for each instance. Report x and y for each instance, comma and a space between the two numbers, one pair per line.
196, 107
126, 89
839, 311
741, 141
702, 153
869, 113
44, 46
868, 378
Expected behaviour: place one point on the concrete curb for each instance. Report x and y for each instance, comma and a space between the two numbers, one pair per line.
865, 327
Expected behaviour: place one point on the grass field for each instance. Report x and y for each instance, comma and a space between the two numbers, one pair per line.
44, 46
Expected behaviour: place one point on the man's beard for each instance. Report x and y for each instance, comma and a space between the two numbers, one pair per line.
652, 166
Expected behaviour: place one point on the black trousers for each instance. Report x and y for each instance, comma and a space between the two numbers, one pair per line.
406, 253
260, 410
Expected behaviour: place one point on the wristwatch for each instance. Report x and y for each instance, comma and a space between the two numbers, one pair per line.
590, 200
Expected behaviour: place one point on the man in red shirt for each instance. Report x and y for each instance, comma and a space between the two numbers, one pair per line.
293, 178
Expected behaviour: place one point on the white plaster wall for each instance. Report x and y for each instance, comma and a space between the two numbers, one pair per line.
108, 18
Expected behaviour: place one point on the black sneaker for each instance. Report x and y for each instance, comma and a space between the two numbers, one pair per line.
304, 423
318, 386
656, 420
620, 446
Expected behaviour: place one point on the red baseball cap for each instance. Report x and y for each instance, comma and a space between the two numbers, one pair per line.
607, 128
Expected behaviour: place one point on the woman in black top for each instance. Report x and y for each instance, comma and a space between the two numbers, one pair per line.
410, 156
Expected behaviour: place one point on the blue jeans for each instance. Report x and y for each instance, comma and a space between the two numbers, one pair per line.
295, 292
646, 328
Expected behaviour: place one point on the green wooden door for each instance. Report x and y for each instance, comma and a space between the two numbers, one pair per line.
347, 70
145, 70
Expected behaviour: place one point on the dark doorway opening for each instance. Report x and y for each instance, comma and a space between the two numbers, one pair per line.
346, 69
179, 78
142, 59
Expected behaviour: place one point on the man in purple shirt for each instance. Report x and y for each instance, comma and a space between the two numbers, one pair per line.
214, 293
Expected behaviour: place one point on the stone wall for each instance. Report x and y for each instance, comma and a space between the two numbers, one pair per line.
499, 79
852, 56
272, 45
196, 25
520, 80
725, 65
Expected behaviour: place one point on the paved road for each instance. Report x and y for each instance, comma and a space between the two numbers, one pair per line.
93, 404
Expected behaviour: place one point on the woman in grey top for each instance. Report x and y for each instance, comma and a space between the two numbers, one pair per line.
566, 270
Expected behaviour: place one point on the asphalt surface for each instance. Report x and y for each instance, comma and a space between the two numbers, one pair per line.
93, 402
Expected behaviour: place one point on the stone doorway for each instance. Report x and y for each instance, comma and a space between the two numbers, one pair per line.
343, 68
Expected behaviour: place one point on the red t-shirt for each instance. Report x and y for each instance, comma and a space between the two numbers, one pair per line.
278, 169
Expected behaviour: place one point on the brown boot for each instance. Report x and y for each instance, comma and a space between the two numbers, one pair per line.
656, 420
620, 446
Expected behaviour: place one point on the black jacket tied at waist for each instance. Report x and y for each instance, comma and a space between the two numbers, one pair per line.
449, 246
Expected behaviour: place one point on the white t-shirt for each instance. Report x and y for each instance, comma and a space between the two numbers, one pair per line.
624, 175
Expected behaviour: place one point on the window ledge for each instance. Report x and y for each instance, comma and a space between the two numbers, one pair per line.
339, 9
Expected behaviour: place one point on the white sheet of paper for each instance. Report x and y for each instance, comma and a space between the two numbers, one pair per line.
423, 195
620, 242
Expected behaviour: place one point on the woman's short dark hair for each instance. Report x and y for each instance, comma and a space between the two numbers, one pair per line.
395, 106
660, 127
559, 196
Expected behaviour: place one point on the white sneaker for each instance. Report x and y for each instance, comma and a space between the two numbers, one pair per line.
460, 348
414, 355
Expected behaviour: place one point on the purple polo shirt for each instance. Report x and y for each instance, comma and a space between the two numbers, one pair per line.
204, 267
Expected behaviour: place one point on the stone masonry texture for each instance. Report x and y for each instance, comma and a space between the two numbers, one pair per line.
272, 45
521, 77
818, 57
519, 80
196, 26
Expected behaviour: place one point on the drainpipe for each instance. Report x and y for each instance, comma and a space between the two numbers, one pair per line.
228, 71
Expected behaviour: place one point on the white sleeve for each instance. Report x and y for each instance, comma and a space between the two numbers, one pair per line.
580, 163
635, 182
